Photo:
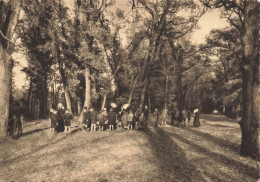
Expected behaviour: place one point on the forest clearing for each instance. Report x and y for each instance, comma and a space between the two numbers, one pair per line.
208, 153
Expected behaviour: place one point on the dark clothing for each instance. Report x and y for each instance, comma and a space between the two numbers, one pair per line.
180, 117
102, 117
111, 117
189, 115
125, 118
54, 120
196, 122
67, 119
93, 117
146, 113
60, 127
173, 117
86, 117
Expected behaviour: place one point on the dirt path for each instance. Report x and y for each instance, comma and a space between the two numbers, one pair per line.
209, 153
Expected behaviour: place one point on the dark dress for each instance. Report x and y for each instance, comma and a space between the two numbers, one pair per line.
60, 127
54, 120
111, 117
196, 122
156, 118
189, 115
93, 117
146, 113
180, 117
67, 119
86, 118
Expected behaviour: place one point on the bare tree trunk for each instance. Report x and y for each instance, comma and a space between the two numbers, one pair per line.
132, 90
104, 102
143, 94
250, 83
87, 91
7, 29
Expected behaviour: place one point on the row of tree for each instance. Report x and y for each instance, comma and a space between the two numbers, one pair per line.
76, 56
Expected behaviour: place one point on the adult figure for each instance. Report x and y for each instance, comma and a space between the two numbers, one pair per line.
86, 118
196, 122
156, 117
188, 117
146, 112
111, 115
60, 113
180, 118
173, 117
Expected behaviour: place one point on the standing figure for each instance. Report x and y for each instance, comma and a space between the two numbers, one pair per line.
136, 118
146, 112
53, 120
173, 117
93, 118
156, 117
181, 119
67, 121
189, 117
165, 117
86, 118
61, 112
111, 115
142, 120
130, 120
102, 117
196, 122
125, 115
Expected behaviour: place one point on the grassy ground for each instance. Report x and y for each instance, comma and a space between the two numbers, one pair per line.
208, 153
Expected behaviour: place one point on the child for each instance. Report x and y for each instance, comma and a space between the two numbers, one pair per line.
130, 120
136, 118
53, 120
111, 115
142, 120
86, 117
93, 118
125, 119
67, 121
102, 117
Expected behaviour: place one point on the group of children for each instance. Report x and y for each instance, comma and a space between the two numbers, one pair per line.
126, 118
60, 120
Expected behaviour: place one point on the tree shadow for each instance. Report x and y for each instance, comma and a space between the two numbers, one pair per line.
231, 163
170, 158
216, 117
33, 131
223, 143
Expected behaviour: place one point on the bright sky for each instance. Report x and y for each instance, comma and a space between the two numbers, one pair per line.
210, 20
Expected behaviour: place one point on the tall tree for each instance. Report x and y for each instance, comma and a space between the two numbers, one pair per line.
244, 15
9, 15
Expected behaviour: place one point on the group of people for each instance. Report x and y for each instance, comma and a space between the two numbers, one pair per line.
93, 120
126, 118
181, 118
60, 120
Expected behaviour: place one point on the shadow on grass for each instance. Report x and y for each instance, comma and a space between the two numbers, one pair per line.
170, 158
223, 143
216, 117
34, 131
230, 163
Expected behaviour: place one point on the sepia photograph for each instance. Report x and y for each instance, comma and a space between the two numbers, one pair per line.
129, 90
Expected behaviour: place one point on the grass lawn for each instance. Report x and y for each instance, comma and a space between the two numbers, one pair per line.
208, 153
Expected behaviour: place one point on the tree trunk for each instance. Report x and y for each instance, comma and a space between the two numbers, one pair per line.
143, 94
7, 30
44, 98
104, 102
87, 91
250, 67
132, 90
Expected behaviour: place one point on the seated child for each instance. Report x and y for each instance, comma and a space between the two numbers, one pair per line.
67, 121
